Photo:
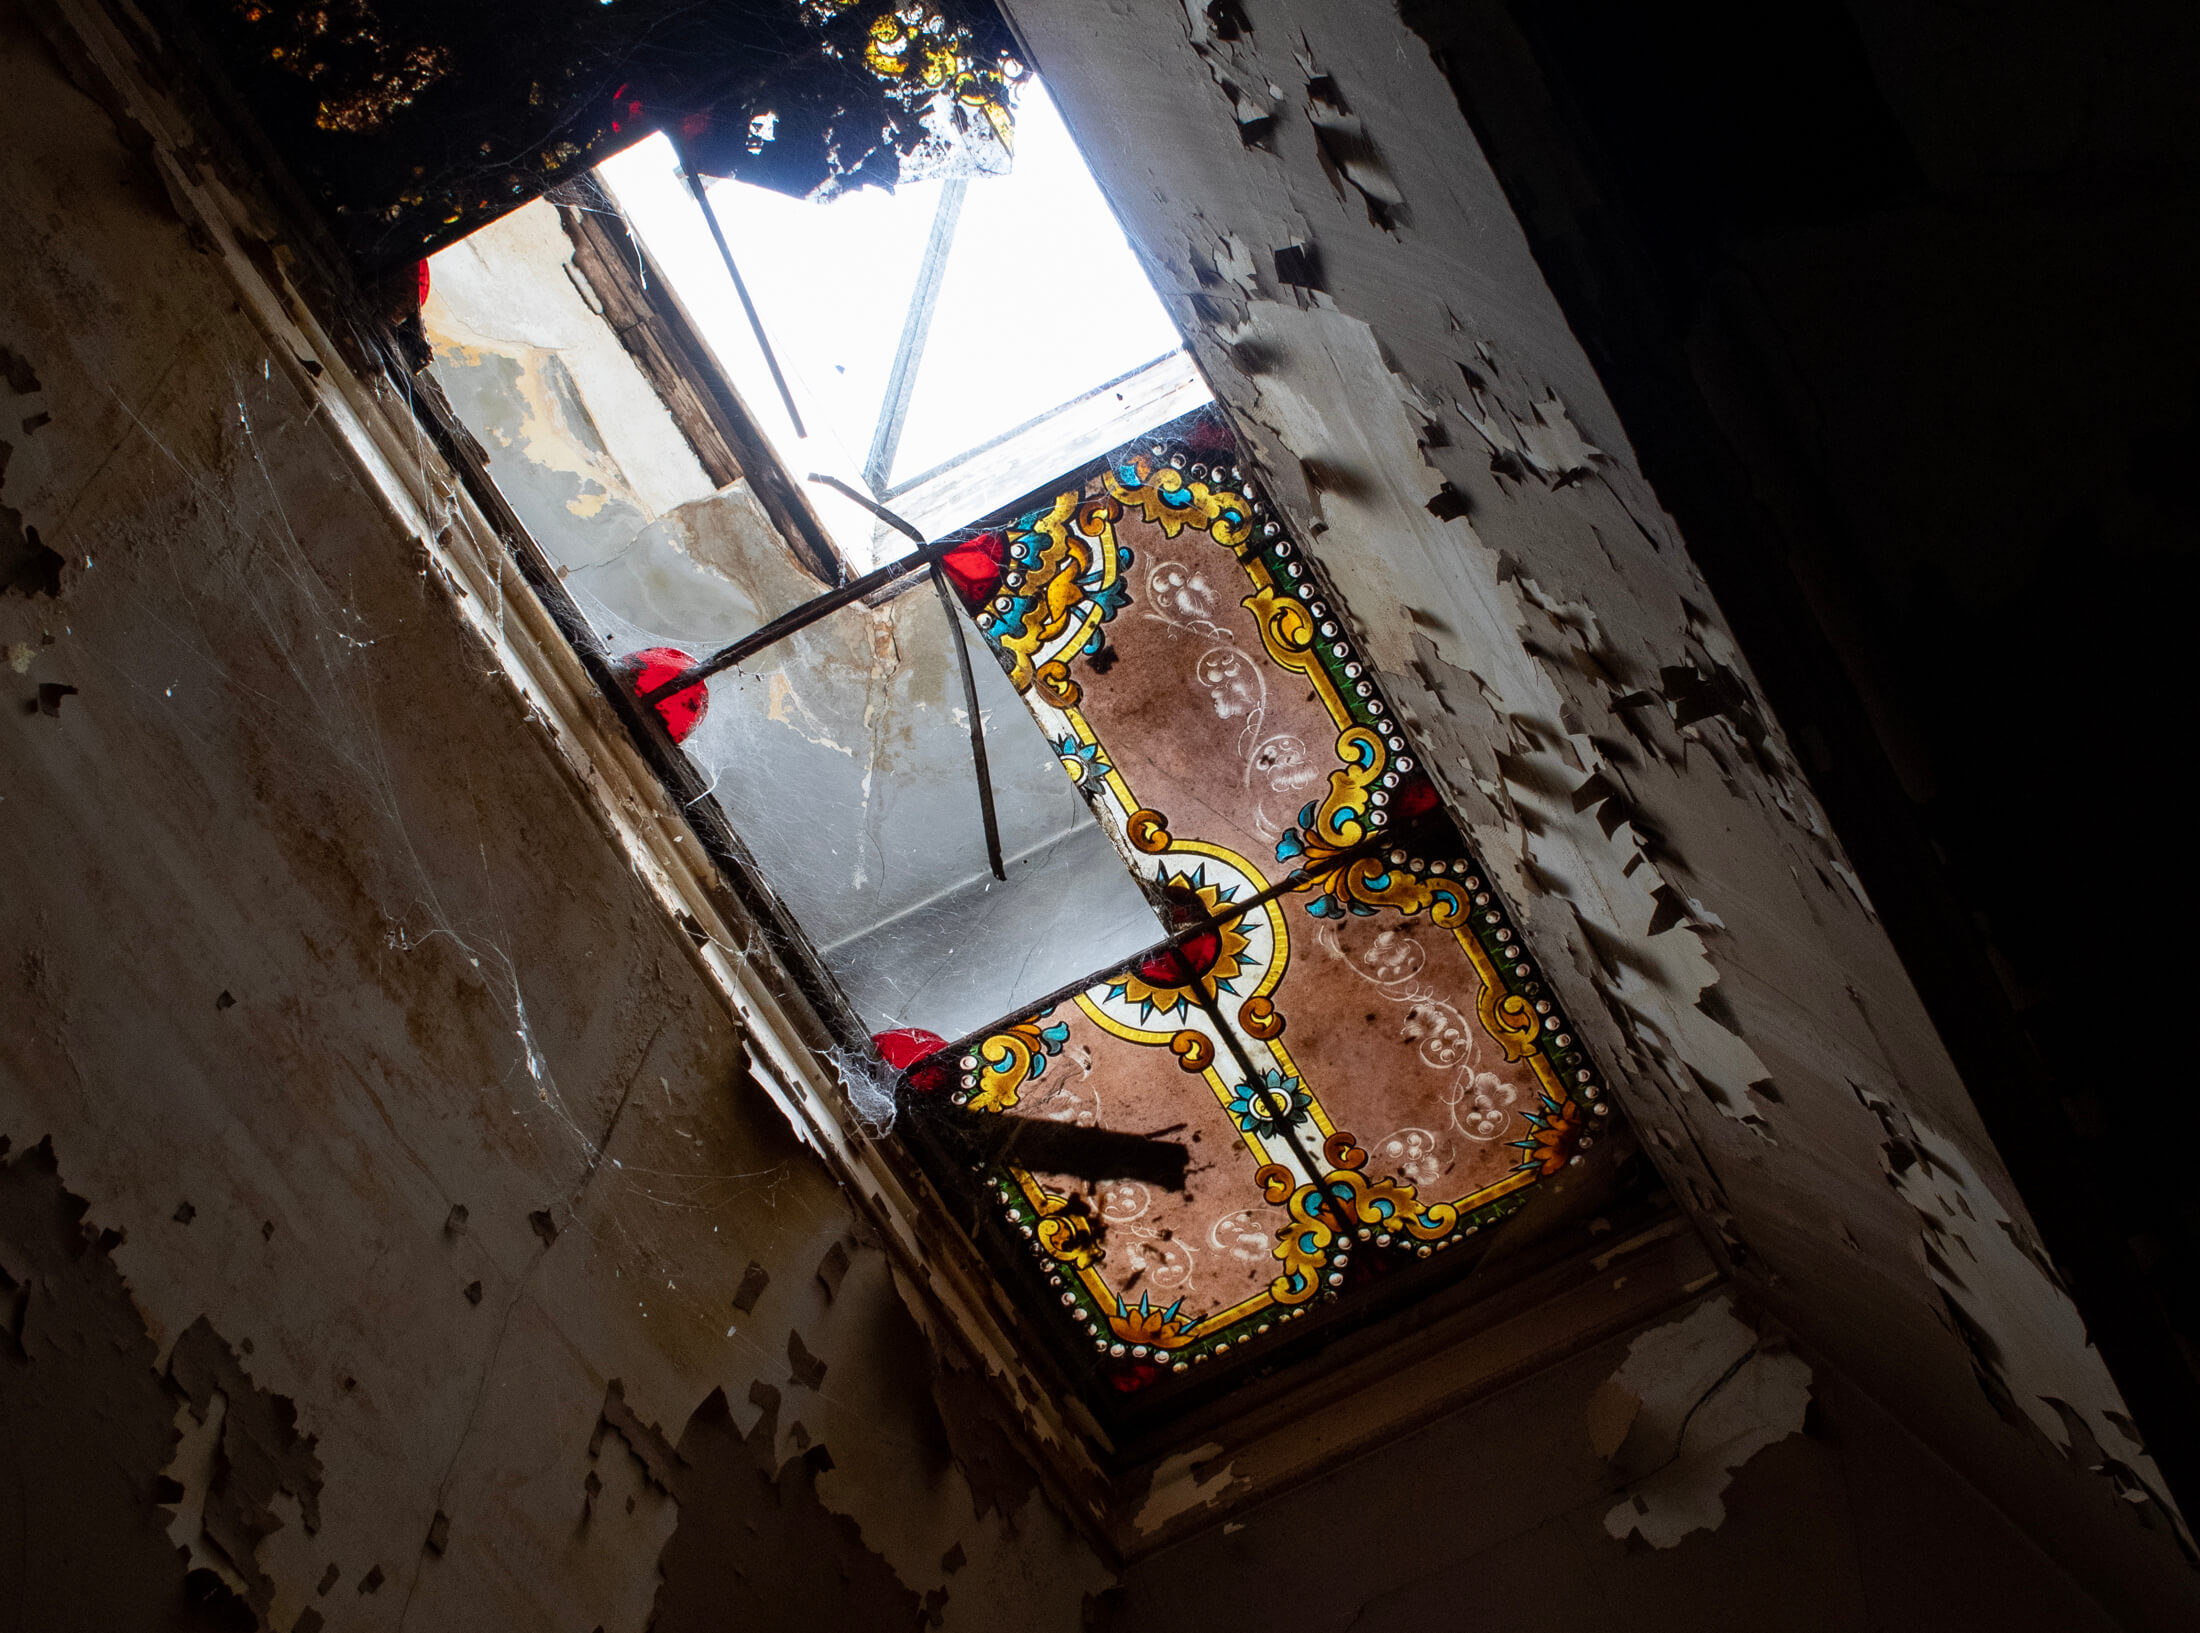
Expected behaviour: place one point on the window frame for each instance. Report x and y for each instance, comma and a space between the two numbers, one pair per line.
350, 347
1398, 1368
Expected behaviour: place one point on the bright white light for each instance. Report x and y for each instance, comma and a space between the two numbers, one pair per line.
1042, 301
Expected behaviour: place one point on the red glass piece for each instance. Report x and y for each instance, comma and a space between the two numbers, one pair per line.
975, 568
681, 711
1175, 966
1416, 797
423, 283
904, 1047
1134, 1375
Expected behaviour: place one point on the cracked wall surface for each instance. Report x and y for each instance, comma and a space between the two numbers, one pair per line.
397, 1094
1418, 404
396, 1231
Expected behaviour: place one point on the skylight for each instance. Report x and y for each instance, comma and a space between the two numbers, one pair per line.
1208, 1024
1008, 311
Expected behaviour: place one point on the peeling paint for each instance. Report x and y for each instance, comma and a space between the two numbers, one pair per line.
2005, 1303
1183, 1482
754, 1546
1694, 1400
91, 1437
28, 565
257, 1456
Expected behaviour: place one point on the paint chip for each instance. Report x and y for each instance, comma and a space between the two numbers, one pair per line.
805, 1369
1695, 1399
753, 1282
833, 1269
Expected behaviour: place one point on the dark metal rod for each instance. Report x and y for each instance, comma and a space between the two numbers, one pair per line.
953, 609
800, 618
900, 524
1296, 880
1286, 1130
741, 288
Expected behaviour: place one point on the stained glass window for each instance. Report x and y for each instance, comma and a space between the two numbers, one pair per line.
1204, 1021
1339, 1024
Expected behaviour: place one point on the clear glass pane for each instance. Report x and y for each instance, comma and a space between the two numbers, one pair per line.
1043, 300
1043, 305
842, 757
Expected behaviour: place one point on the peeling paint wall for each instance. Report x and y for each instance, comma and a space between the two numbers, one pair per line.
395, 1231
1695, 1475
390, 1119
1895, 307
1367, 308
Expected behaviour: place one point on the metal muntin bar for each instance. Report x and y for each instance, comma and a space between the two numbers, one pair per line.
1287, 1131
1296, 880
924, 300
800, 618
741, 288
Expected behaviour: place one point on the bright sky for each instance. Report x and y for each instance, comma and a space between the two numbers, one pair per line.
1042, 301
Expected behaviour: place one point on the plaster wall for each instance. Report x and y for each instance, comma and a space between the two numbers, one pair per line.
357, 1039
394, 1229
1312, 204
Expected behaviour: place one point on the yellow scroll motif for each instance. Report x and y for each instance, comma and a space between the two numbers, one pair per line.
1056, 686
1005, 1060
1194, 1051
1172, 501
1069, 1237
1148, 831
1065, 557
1389, 1205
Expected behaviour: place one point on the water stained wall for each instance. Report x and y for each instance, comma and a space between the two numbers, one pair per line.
408, 1184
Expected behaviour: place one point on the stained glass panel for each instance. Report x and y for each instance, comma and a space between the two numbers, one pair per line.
1344, 1034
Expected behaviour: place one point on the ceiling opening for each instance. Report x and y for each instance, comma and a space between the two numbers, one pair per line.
948, 346
1146, 928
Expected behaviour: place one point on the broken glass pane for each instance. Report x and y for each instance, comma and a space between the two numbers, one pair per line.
842, 757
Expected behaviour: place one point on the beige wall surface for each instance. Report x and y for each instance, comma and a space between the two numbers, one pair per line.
384, 1176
